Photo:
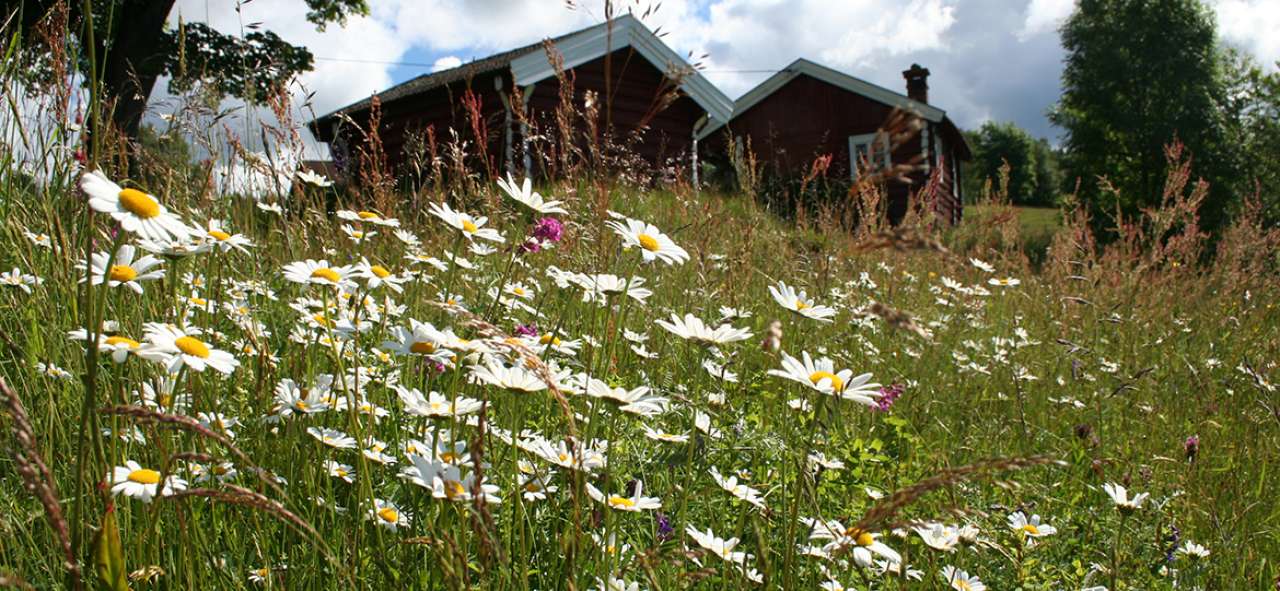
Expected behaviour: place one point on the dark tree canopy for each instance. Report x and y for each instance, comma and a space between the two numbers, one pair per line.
1139, 75
134, 47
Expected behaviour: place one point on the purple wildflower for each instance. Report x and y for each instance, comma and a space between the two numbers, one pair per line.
547, 230
664, 527
527, 330
888, 394
1191, 447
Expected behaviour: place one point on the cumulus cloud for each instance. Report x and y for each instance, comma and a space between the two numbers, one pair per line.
1044, 16
446, 62
1253, 25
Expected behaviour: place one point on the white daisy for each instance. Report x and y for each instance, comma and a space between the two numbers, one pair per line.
319, 272
332, 437
1020, 523
798, 302
821, 375
20, 280
653, 244
123, 269
634, 503
135, 211
143, 484
528, 197
387, 514
369, 217
692, 328
961, 581
1121, 498
721, 547
224, 240
471, 227
175, 347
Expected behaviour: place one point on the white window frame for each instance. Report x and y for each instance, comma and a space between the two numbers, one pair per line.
867, 140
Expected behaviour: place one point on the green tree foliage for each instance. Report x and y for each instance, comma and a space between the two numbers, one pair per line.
1139, 75
134, 47
1034, 178
1255, 114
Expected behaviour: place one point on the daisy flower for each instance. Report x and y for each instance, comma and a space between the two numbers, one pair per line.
961, 580
294, 400
143, 484
225, 241
739, 490
1193, 550
634, 503
175, 348
982, 265
271, 207
821, 375
370, 217
135, 211
692, 328
119, 347
1019, 522
421, 338
471, 227
123, 270
1121, 498
387, 514
637, 401
865, 544
340, 471
526, 196
514, 378
653, 244
938, 536
615, 584
721, 547
660, 435
20, 280
332, 437
42, 240
436, 405
799, 303
376, 276
357, 235
601, 287
314, 179
319, 272
1004, 281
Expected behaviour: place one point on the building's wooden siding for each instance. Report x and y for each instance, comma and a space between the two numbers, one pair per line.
637, 89
808, 118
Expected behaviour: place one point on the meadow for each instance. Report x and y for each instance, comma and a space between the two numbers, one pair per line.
607, 383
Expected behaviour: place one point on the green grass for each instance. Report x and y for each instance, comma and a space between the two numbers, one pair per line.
1108, 376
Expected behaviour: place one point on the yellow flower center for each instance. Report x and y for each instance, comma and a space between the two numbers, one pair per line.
864, 539
1031, 529
366, 215
449, 457
621, 502
219, 235
139, 203
648, 242
219, 470
301, 405
800, 305
322, 320
468, 226
341, 473
453, 489
549, 339
113, 341
532, 486
192, 346
380, 271
518, 291
144, 476
122, 273
963, 585
423, 347
389, 515
836, 383
327, 274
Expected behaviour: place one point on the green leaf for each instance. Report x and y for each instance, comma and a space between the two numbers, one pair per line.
108, 556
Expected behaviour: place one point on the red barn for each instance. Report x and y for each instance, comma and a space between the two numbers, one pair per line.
653, 97
808, 110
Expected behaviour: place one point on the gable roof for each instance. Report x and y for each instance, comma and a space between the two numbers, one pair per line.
804, 67
529, 64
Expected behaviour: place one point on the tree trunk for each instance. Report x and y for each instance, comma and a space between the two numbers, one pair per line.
134, 61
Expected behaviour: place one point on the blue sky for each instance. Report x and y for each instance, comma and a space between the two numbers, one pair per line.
990, 59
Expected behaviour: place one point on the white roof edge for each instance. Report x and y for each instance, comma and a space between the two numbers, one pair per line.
594, 42
830, 76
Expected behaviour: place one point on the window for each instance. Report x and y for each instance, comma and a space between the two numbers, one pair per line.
868, 150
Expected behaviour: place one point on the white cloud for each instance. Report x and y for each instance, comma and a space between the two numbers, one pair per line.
1044, 16
446, 62
1253, 25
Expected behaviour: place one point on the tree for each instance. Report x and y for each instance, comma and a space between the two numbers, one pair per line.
1141, 74
134, 47
1255, 117
1033, 166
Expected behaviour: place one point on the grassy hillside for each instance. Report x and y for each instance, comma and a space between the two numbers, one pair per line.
995, 395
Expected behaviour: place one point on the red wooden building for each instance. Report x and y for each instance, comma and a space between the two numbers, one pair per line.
655, 100
808, 110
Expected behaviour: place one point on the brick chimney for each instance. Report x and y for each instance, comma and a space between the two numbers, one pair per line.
917, 83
